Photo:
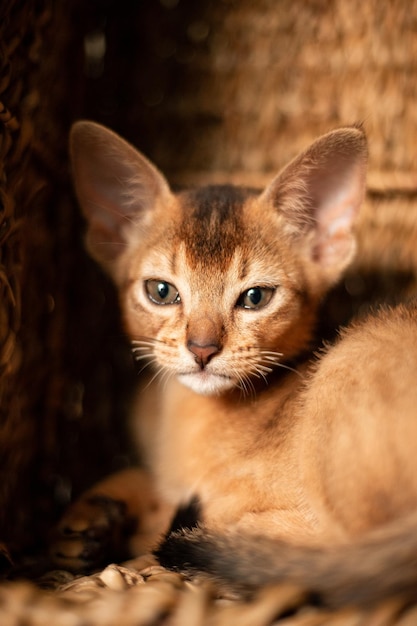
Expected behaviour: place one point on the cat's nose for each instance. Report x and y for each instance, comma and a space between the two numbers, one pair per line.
203, 354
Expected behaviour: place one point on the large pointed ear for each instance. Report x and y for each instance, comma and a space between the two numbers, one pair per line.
319, 194
116, 187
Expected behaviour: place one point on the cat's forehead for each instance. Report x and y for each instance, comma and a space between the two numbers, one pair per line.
223, 201
213, 223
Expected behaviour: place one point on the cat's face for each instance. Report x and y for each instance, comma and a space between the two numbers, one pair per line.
215, 295
219, 285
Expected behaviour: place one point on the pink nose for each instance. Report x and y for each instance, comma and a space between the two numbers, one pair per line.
203, 354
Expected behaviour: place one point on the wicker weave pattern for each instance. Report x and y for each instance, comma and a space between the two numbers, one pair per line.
131, 597
21, 27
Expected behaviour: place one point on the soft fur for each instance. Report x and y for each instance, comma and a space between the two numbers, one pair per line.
220, 289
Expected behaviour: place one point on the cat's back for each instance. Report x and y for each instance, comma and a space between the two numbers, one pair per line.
361, 413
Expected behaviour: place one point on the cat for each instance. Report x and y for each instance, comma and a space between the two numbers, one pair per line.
220, 288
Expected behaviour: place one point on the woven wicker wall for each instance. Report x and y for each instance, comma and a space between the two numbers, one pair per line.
21, 29
227, 85
215, 86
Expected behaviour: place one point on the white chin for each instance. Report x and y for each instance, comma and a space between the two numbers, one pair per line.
206, 384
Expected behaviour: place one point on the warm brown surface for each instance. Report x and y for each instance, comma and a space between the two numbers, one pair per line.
142, 594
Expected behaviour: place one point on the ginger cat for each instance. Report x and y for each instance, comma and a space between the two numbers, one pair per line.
220, 289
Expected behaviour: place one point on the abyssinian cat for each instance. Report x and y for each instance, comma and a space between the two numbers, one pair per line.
301, 463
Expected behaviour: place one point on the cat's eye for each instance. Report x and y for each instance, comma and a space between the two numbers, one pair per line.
161, 292
255, 297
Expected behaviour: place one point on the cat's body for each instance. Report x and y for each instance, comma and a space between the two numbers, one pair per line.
220, 289
314, 457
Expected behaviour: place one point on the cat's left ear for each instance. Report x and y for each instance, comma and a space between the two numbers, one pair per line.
116, 186
319, 194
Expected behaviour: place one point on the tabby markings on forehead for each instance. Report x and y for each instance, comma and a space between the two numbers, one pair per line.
213, 225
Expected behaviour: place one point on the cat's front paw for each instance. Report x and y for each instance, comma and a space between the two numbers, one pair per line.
92, 532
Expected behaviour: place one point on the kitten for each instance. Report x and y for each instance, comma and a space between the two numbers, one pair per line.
220, 289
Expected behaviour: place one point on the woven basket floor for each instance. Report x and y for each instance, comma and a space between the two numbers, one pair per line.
143, 594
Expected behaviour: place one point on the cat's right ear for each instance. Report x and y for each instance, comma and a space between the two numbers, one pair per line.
319, 194
116, 188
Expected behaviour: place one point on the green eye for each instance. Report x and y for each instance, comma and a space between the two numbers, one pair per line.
255, 297
161, 292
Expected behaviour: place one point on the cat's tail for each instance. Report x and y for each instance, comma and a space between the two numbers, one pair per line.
381, 565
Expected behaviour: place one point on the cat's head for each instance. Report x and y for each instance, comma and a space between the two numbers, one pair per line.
219, 285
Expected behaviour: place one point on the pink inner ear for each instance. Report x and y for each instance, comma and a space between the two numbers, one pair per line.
104, 243
336, 211
115, 185
334, 252
100, 199
319, 194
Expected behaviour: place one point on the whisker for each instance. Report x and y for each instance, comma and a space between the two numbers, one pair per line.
243, 387
142, 357
148, 364
259, 364
271, 359
235, 373
274, 357
147, 359
257, 372
151, 341
166, 377
144, 346
245, 384
290, 369
264, 368
262, 374
158, 372
251, 386
144, 341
